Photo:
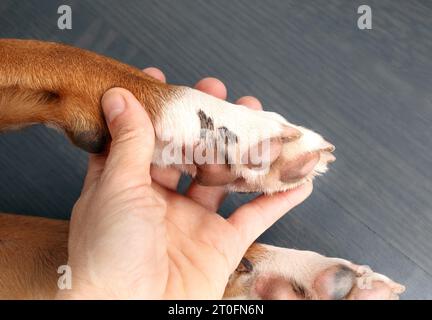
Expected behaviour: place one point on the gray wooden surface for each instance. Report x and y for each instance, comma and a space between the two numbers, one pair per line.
369, 92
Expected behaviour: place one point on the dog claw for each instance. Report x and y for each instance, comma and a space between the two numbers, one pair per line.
327, 146
290, 134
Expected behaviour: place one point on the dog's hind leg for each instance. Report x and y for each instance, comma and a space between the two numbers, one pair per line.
31, 251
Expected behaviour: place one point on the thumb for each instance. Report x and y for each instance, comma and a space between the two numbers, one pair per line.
132, 135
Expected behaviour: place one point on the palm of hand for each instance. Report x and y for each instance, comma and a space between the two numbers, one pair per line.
202, 249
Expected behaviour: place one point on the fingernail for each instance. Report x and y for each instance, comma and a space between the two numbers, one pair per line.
113, 104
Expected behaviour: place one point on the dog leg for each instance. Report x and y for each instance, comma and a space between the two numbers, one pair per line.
247, 150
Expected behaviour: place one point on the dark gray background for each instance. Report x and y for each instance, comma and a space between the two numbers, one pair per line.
368, 92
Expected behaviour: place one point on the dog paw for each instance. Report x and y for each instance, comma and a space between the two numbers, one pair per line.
224, 144
268, 272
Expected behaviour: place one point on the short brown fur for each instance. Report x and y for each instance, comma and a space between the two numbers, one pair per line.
51, 83
31, 250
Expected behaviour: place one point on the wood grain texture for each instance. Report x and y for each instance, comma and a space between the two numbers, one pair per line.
368, 92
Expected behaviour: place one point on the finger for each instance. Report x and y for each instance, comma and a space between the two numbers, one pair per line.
212, 197
212, 86
250, 102
95, 167
155, 73
166, 177
255, 217
209, 197
132, 136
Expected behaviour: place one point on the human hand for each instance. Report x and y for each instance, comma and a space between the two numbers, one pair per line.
133, 236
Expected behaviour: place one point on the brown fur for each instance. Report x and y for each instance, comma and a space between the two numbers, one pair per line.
31, 250
51, 83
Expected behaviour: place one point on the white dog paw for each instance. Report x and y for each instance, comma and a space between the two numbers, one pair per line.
224, 144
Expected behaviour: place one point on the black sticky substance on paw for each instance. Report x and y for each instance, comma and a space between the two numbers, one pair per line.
228, 136
206, 122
